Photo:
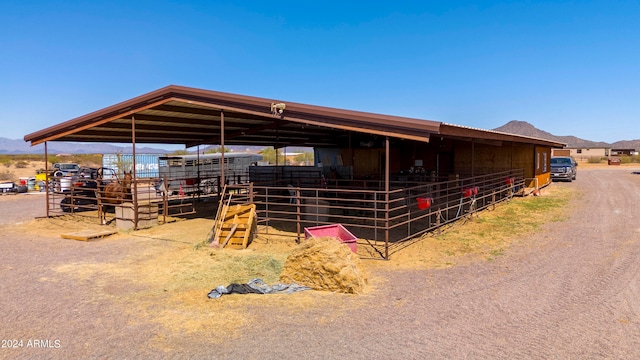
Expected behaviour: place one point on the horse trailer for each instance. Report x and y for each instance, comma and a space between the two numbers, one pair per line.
202, 173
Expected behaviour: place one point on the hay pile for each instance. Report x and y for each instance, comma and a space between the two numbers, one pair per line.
325, 264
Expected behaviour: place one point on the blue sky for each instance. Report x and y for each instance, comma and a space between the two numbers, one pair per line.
569, 68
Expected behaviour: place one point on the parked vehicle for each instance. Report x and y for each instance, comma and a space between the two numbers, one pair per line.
65, 169
563, 168
614, 161
82, 192
7, 187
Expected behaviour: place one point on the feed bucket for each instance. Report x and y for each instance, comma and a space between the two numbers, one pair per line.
424, 203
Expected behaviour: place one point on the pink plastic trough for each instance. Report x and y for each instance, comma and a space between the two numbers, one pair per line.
333, 230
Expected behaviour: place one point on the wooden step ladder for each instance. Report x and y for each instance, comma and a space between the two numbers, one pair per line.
234, 225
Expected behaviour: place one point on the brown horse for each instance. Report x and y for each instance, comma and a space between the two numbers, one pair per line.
114, 193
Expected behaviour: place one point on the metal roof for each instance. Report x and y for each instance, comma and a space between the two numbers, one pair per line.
467, 132
182, 115
189, 116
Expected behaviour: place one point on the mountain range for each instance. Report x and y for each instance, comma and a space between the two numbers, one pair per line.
524, 128
14, 147
9, 146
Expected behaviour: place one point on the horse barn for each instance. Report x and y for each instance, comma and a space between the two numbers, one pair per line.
389, 180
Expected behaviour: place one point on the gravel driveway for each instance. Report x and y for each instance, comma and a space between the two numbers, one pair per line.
572, 291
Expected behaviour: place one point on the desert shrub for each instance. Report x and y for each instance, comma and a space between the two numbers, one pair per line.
6, 175
21, 164
625, 159
595, 160
5, 160
28, 157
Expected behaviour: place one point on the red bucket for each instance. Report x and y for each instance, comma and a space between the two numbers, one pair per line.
470, 191
424, 203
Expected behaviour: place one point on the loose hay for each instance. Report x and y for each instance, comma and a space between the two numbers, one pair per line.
325, 264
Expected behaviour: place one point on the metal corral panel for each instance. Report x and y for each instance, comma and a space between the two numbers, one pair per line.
146, 164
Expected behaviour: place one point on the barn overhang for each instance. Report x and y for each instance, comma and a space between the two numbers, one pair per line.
188, 116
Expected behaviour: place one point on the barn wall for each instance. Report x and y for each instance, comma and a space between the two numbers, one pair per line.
542, 165
370, 163
410, 151
486, 158
493, 157
524, 158
452, 156
366, 162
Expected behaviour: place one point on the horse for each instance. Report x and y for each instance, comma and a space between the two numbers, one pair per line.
114, 193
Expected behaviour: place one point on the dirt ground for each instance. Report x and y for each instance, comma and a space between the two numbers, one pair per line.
570, 290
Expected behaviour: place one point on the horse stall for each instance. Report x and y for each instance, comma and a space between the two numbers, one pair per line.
383, 221
171, 187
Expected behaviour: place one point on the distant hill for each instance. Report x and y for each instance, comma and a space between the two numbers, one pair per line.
524, 128
14, 147
9, 146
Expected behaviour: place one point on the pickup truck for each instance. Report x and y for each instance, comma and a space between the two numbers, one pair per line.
563, 168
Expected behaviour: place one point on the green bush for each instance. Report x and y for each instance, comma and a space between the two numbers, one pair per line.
595, 160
